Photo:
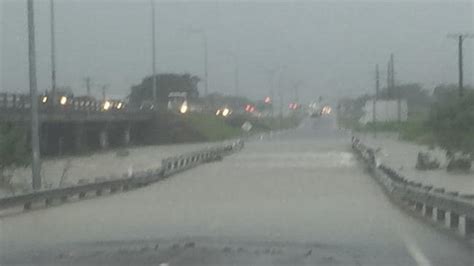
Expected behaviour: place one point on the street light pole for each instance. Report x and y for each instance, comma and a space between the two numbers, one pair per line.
204, 36
153, 65
36, 164
53, 53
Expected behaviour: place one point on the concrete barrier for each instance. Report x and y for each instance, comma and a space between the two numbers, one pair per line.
101, 185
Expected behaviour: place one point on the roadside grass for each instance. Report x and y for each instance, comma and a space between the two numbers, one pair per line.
215, 128
211, 127
415, 129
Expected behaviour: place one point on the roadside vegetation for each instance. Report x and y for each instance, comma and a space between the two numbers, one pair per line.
442, 119
209, 127
13, 150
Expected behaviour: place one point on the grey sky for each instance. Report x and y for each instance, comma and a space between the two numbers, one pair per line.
330, 46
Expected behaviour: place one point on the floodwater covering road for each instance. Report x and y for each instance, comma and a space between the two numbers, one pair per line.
298, 186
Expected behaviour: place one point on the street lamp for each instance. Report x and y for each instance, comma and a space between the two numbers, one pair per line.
236, 70
35, 149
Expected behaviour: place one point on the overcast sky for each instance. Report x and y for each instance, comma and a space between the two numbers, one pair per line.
330, 47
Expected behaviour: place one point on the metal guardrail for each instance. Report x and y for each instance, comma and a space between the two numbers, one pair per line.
169, 166
16, 107
453, 210
15, 101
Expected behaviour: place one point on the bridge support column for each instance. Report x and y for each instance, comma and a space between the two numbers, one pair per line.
44, 138
126, 136
438, 215
79, 137
466, 226
418, 206
427, 211
103, 139
452, 220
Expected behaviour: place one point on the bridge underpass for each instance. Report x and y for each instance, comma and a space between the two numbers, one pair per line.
299, 186
79, 124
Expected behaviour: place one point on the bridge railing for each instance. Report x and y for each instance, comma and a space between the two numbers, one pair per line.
21, 102
102, 185
453, 210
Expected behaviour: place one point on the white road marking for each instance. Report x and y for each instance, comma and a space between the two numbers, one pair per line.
416, 252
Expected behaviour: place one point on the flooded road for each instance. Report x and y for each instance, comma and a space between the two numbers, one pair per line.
402, 155
302, 185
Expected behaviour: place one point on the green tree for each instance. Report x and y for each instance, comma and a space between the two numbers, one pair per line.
165, 83
452, 121
13, 148
417, 98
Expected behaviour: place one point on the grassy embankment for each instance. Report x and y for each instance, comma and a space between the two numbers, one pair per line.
209, 127
416, 128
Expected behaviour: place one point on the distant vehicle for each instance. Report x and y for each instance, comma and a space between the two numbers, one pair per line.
315, 109
147, 105
178, 102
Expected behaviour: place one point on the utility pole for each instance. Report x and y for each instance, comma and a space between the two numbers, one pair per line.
204, 37
389, 89
104, 89
53, 53
36, 163
296, 86
374, 106
280, 96
398, 91
236, 78
460, 38
271, 77
153, 64
297, 95
88, 86
206, 81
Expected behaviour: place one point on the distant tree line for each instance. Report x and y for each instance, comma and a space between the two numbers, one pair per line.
448, 118
14, 150
165, 83
451, 118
